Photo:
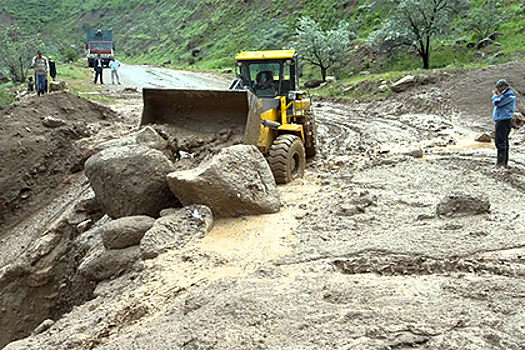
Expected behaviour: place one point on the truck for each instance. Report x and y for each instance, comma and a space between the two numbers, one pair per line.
263, 106
99, 42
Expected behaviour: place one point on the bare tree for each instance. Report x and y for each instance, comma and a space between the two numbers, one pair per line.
415, 23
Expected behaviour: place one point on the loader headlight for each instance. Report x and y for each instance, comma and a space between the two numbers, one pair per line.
291, 95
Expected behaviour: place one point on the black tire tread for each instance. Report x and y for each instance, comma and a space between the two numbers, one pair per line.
280, 157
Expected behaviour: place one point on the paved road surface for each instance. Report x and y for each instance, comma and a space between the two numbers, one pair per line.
158, 77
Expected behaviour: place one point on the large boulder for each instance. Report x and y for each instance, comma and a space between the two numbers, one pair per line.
176, 229
125, 232
131, 180
237, 181
146, 136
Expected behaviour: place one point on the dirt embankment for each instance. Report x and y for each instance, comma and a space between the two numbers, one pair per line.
359, 257
43, 140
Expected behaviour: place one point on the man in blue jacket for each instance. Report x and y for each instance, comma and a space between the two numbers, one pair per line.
504, 101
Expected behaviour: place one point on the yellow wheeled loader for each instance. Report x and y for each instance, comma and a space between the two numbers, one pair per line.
262, 106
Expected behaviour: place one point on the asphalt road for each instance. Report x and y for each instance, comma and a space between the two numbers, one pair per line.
159, 77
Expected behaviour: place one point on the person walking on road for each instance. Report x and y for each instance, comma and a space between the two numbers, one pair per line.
99, 70
114, 64
52, 68
504, 101
41, 66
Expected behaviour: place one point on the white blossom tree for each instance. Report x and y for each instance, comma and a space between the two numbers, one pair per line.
322, 48
17, 49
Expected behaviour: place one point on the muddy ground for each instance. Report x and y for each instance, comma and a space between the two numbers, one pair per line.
356, 259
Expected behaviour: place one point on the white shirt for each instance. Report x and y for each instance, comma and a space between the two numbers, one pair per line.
114, 64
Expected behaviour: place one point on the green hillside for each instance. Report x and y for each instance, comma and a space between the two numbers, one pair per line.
206, 34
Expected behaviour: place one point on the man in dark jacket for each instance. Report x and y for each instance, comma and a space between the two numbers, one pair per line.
99, 70
52, 68
504, 101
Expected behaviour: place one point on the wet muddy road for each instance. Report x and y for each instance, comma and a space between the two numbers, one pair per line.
386, 244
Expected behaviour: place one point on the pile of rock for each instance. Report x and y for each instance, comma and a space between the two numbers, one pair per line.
155, 208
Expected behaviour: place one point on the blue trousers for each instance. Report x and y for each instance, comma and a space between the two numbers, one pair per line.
40, 83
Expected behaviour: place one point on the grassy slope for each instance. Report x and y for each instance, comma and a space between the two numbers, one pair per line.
154, 31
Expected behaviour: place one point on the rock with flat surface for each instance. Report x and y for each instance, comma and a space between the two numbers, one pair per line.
404, 84
238, 181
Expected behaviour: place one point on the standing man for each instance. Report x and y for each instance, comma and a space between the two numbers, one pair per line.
504, 101
99, 70
41, 66
52, 68
114, 64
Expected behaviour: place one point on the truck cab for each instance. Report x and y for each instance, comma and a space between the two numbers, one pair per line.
99, 42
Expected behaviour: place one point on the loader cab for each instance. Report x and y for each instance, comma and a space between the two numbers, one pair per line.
268, 74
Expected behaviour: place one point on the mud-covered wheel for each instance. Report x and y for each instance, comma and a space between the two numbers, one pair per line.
287, 158
310, 131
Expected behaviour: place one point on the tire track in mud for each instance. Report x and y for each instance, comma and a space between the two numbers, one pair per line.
349, 129
401, 265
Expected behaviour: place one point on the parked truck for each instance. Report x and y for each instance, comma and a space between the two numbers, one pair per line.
99, 42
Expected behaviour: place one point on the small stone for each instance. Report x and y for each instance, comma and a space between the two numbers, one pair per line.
44, 326
84, 226
483, 138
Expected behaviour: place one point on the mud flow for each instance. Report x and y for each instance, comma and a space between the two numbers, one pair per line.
401, 235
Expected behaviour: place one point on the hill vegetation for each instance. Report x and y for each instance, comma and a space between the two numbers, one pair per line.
206, 34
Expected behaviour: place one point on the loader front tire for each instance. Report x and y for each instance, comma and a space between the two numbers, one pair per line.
287, 158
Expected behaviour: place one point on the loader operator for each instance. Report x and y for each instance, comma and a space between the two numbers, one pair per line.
264, 80
41, 66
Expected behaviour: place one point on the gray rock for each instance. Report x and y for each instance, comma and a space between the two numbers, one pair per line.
84, 226
176, 230
403, 84
44, 326
416, 153
130, 180
103, 263
126, 231
518, 120
146, 137
484, 43
313, 83
51, 122
461, 204
483, 138
57, 86
238, 181
495, 36
383, 88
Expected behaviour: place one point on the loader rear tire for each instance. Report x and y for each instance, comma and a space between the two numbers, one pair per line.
287, 158
310, 131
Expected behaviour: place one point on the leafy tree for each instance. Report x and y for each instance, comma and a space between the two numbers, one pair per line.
17, 49
484, 20
322, 48
71, 55
415, 23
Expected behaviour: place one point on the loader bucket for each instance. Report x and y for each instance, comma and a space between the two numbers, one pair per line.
202, 112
